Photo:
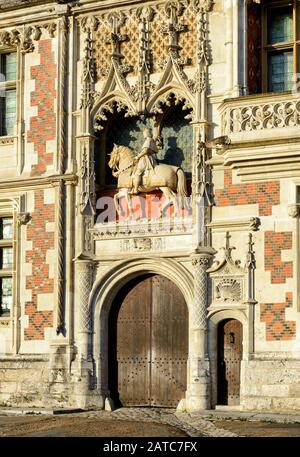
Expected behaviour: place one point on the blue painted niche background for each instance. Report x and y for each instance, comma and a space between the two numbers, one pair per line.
177, 134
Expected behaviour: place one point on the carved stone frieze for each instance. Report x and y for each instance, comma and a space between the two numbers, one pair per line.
142, 244
147, 229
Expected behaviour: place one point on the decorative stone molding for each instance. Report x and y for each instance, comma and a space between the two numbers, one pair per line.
294, 210
252, 223
246, 116
4, 141
9, 4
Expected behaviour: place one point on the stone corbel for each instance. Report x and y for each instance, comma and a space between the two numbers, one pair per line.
294, 210
24, 218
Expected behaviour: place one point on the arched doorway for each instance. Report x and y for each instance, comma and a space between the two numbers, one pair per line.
230, 353
148, 343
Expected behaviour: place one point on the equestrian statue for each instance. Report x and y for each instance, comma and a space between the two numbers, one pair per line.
141, 174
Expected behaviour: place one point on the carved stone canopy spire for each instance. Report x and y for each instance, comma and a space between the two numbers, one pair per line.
172, 28
116, 21
228, 248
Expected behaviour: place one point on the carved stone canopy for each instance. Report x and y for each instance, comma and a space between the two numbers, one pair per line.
232, 285
228, 278
227, 265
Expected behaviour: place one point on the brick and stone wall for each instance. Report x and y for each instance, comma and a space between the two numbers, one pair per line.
274, 273
41, 143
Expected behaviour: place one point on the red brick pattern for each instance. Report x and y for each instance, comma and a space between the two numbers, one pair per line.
39, 282
277, 328
275, 242
42, 129
43, 126
266, 194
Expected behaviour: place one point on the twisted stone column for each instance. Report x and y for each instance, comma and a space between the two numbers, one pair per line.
198, 392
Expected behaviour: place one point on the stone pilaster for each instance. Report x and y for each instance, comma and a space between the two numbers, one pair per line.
84, 272
198, 391
84, 269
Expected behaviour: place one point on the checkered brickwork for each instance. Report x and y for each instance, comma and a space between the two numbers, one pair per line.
42, 129
275, 242
43, 126
266, 194
277, 328
39, 282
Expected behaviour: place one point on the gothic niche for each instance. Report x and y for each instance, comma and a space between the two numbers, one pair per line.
171, 125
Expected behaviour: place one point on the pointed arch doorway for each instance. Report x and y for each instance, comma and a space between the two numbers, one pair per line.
148, 343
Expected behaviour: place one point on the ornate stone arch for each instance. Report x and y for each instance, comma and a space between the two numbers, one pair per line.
106, 105
165, 94
106, 288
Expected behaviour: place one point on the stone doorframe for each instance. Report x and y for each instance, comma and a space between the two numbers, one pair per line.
105, 290
213, 324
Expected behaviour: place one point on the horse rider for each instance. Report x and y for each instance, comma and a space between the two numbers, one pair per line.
145, 160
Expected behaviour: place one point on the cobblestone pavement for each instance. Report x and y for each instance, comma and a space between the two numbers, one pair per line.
129, 422
146, 422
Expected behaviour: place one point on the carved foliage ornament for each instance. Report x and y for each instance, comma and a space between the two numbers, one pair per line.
24, 37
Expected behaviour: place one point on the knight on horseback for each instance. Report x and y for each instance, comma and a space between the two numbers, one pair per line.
144, 161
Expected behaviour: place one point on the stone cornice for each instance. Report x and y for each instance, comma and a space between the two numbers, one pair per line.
14, 4
20, 183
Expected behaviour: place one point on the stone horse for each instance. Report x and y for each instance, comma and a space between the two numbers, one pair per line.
169, 179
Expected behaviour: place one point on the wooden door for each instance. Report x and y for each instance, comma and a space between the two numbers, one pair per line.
230, 353
149, 344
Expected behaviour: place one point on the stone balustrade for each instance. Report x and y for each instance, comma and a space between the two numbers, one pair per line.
261, 117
